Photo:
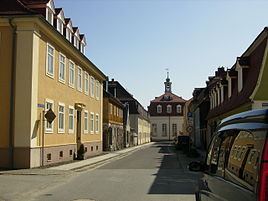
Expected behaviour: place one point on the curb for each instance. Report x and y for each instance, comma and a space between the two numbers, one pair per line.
75, 166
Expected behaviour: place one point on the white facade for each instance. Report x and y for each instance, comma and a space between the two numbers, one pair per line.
173, 128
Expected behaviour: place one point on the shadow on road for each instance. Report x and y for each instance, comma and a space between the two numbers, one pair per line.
172, 177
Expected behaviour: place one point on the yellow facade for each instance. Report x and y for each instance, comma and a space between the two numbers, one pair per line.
33, 87
5, 87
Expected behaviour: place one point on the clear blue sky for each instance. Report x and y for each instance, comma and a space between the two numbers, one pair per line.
133, 41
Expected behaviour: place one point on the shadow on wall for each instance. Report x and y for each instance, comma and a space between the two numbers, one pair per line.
171, 178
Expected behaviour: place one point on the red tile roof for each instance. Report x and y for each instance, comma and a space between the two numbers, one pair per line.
169, 97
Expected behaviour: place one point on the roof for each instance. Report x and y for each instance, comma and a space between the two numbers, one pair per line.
255, 56
14, 7
169, 97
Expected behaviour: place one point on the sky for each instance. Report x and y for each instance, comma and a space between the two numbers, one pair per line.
134, 41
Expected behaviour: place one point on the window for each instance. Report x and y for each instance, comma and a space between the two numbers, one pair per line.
169, 109
49, 16
79, 79
71, 119
97, 90
97, 123
74, 42
82, 48
62, 68
111, 108
159, 109
164, 129
86, 122
92, 123
174, 129
244, 159
154, 129
68, 34
61, 118
49, 126
50, 61
178, 108
60, 26
71, 74
86, 83
92, 85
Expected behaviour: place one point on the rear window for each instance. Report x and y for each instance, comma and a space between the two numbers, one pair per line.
244, 159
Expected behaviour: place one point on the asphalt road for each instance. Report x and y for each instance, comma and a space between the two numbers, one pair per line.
156, 172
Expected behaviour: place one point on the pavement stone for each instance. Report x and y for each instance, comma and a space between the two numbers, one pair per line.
65, 168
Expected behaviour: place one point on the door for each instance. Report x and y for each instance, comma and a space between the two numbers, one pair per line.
78, 129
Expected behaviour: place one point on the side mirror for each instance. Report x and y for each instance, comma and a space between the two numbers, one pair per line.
196, 166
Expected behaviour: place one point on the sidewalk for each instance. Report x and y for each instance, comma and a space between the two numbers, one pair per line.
63, 169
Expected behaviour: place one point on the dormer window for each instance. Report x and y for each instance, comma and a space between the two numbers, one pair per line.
50, 11
76, 38
169, 109
59, 19
68, 29
82, 43
68, 35
178, 108
159, 109
49, 16
60, 26
82, 48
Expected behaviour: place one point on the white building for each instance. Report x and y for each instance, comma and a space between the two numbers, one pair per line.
166, 115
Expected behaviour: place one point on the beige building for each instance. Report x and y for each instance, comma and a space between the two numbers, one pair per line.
44, 67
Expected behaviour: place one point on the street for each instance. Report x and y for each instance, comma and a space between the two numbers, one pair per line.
156, 172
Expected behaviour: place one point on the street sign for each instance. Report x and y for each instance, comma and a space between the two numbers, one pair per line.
190, 114
50, 116
189, 129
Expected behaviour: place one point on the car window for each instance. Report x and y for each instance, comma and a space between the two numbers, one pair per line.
244, 158
213, 154
225, 149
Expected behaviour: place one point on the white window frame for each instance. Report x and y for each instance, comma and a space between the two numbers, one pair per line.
72, 115
92, 123
92, 86
61, 130
49, 130
86, 121
159, 109
79, 78
97, 120
86, 87
82, 48
64, 67
169, 108
70, 83
49, 12
60, 25
179, 108
97, 90
50, 74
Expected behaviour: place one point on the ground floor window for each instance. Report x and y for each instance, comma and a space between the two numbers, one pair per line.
174, 129
164, 129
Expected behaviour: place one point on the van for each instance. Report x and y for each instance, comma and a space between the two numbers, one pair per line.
236, 164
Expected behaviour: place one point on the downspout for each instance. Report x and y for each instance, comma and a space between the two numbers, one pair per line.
12, 94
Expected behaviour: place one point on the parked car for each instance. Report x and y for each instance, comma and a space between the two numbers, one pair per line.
236, 166
182, 142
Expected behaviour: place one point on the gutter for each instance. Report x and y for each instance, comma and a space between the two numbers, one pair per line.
12, 95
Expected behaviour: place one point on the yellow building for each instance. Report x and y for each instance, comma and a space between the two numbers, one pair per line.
44, 67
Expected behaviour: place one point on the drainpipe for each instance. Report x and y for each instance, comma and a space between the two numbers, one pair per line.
12, 94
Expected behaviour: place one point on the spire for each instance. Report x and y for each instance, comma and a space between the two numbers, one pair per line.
167, 82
